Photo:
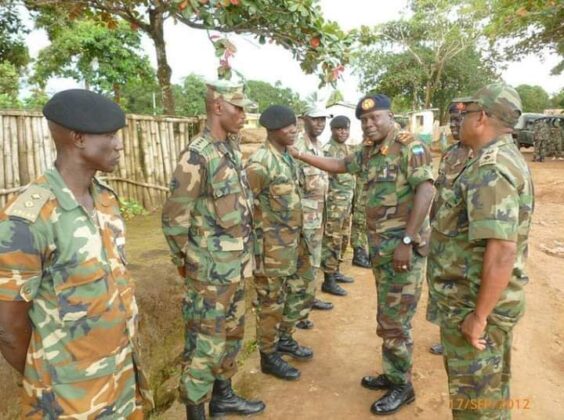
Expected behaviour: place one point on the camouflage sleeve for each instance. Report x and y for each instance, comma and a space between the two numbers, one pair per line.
21, 253
185, 187
353, 161
493, 206
419, 164
257, 175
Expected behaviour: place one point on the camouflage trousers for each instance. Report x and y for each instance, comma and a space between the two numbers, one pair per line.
398, 295
335, 236
299, 295
214, 317
554, 143
539, 152
478, 381
314, 239
358, 227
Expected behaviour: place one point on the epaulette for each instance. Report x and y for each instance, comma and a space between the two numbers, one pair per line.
106, 186
405, 137
489, 157
29, 203
201, 145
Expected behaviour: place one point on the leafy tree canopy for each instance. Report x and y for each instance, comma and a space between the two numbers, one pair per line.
521, 27
265, 94
86, 50
12, 30
533, 98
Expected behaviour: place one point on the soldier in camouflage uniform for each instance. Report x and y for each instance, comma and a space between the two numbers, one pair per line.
283, 259
555, 141
338, 205
478, 249
452, 163
207, 222
399, 184
66, 298
359, 243
541, 134
314, 191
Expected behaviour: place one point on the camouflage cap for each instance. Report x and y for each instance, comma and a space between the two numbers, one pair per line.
231, 92
500, 100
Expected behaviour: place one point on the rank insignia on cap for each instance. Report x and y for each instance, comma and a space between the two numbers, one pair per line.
418, 149
367, 104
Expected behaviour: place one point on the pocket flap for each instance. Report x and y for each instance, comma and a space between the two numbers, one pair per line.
81, 371
225, 243
75, 275
223, 188
309, 204
281, 189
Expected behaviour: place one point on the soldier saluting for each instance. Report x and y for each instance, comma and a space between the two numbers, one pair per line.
66, 299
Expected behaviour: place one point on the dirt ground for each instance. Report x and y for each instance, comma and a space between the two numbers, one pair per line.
344, 340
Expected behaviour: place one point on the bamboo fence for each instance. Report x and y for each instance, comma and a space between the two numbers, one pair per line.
151, 148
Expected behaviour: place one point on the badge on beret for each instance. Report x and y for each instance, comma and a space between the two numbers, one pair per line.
460, 106
418, 149
367, 104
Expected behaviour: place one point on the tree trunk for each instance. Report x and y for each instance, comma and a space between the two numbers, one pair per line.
117, 93
163, 69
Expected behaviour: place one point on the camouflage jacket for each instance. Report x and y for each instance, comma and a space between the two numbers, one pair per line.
491, 199
394, 169
207, 220
82, 359
274, 180
341, 186
452, 163
315, 185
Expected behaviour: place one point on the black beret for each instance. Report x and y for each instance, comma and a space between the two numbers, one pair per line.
340, 121
277, 116
84, 111
372, 103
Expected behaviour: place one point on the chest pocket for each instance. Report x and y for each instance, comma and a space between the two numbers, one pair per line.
386, 179
314, 180
82, 290
450, 218
281, 197
227, 195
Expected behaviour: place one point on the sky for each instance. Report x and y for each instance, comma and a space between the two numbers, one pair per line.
190, 51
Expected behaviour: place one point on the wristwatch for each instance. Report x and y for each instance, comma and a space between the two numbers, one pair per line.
407, 240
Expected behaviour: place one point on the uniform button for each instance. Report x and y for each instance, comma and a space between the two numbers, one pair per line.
28, 204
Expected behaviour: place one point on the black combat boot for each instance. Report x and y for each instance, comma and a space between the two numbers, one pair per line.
225, 401
321, 305
360, 258
289, 346
273, 364
394, 399
376, 382
330, 285
341, 278
304, 324
195, 412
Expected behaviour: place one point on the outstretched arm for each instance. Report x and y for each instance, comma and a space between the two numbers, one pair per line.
336, 166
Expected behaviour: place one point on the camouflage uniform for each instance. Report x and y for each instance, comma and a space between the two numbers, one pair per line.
207, 222
452, 163
358, 227
491, 199
314, 191
283, 260
555, 142
394, 169
541, 134
337, 211
83, 356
